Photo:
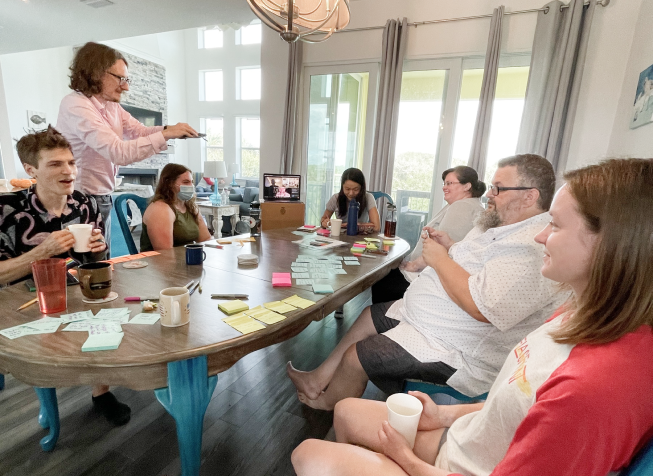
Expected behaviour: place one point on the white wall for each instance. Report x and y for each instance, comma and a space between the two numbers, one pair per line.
626, 142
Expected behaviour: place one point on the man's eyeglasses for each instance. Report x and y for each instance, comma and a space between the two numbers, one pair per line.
449, 184
495, 189
126, 81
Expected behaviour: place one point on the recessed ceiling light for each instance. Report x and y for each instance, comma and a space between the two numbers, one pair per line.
96, 3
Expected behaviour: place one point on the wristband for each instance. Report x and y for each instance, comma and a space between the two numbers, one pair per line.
165, 127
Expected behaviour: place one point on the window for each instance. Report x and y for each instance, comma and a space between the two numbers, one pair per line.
336, 135
209, 38
249, 131
213, 147
250, 34
210, 85
506, 116
249, 83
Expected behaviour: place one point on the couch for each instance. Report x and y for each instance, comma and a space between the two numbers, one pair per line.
244, 196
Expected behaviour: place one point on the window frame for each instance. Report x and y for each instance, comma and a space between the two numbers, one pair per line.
202, 81
205, 145
239, 38
239, 70
240, 148
201, 40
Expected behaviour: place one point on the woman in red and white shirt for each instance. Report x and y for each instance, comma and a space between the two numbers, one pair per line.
573, 397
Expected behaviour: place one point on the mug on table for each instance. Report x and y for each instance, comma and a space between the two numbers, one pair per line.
335, 225
195, 254
174, 307
95, 279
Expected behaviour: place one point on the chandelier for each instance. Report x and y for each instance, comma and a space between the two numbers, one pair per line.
297, 19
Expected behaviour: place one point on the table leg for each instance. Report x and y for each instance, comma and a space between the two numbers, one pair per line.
186, 398
220, 224
48, 416
234, 220
2, 381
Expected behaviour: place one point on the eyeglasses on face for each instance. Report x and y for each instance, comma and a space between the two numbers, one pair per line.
126, 81
495, 189
449, 184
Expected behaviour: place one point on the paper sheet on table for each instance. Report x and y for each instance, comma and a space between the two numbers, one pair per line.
77, 316
243, 323
280, 307
322, 289
99, 342
299, 302
104, 328
43, 326
111, 314
304, 282
301, 275
264, 315
145, 318
353, 263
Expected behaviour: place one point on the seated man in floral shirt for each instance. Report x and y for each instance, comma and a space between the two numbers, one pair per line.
33, 226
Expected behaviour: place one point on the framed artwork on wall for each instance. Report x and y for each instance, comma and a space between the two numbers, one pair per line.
643, 106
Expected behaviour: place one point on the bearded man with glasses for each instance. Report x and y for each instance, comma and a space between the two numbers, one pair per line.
102, 134
459, 319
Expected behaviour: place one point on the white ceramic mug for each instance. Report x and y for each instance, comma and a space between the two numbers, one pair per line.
82, 233
335, 224
174, 307
404, 412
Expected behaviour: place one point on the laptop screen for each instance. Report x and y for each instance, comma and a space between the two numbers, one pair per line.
281, 188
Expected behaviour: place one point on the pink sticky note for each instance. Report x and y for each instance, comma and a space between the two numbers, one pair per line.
356, 245
323, 232
281, 280
310, 226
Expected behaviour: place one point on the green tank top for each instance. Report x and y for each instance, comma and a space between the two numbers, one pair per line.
184, 231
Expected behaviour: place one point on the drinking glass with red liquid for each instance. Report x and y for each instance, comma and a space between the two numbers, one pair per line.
50, 278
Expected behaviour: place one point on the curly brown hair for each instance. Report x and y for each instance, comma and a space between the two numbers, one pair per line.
165, 190
29, 146
89, 65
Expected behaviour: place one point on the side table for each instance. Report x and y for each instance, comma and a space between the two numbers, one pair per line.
218, 211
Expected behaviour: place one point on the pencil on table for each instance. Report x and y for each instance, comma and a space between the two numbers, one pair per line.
28, 304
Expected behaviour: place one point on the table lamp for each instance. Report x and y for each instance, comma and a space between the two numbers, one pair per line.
217, 170
234, 169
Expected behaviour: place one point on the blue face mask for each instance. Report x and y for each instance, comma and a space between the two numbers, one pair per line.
186, 192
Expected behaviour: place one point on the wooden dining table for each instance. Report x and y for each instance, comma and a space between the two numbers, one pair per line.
180, 364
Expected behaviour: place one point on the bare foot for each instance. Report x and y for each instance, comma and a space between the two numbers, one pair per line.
318, 403
304, 382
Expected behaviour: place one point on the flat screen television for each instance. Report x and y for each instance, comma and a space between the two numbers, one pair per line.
281, 188
145, 116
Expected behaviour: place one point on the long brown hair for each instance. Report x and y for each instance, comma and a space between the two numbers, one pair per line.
165, 188
89, 65
615, 198
355, 175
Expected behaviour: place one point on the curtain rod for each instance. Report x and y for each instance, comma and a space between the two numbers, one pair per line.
602, 3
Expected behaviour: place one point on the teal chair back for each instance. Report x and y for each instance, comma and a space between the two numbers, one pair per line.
378, 195
433, 388
2, 381
642, 464
120, 206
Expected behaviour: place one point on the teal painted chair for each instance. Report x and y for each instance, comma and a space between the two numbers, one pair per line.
2, 381
122, 212
411, 385
378, 195
642, 464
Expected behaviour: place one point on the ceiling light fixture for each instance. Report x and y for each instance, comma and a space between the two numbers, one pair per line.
297, 19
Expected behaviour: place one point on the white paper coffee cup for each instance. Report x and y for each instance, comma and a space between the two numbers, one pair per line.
404, 412
336, 224
82, 233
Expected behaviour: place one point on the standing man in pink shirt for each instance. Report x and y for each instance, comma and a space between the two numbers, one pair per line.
102, 134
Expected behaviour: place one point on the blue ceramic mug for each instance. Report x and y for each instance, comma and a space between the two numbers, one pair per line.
195, 254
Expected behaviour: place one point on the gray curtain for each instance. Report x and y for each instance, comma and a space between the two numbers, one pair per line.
478, 153
387, 113
291, 111
557, 62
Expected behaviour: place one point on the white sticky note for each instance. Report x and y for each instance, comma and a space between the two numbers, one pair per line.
145, 318
77, 316
98, 342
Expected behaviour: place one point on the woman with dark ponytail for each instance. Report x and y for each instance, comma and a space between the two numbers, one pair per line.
462, 190
352, 187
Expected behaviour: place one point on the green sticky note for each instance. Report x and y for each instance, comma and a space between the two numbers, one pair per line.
102, 342
322, 289
232, 307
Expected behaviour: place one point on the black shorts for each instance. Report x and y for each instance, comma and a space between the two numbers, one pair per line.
387, 364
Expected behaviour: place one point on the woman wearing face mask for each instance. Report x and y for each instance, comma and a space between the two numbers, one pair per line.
352, 186
172, 218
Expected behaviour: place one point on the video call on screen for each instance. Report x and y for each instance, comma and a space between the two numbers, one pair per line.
281, 187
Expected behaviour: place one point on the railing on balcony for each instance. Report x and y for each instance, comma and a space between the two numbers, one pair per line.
412, 213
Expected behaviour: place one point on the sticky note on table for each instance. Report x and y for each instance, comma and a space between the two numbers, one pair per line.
15, 332
102, 342
145, 318
301, 275
43, 326
389, 242
243, 323
349, 258
111, 314
337, 271
299, 302
299, 269
304, 282
322, 289
232, 307
76, 316
108, 327
280, 307
265, 315
372, 240
352, 263
281, 280
362, 245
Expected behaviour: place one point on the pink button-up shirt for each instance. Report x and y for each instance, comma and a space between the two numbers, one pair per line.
103, 137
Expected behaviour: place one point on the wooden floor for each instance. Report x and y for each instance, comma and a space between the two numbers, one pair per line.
252, 424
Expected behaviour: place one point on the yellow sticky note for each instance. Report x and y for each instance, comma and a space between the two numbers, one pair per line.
243, 323
280, 307
232, 307
299, 302
388, 242
372, 246
372, 240
265, 315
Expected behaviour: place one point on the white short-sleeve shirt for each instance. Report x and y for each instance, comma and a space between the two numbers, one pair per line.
506, 286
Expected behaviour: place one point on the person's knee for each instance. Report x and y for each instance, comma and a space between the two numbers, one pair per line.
305, 458
342, 416
351, 360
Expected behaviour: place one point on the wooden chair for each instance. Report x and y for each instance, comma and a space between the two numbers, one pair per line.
434, 388
120, 205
